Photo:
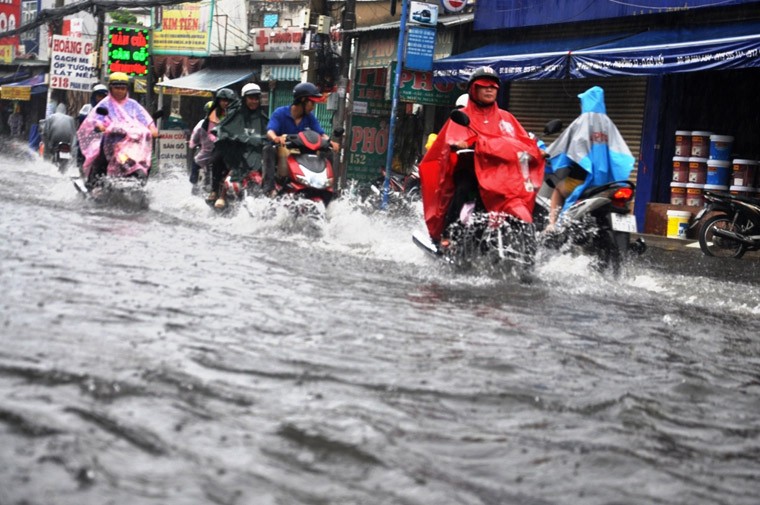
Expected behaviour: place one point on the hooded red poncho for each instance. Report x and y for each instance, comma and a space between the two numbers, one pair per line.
498, 139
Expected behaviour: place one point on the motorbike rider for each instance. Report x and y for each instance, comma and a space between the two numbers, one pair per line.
239, 141
288, 120
59, 127
589, 153
120, 108
202, 143
494, 186
222, 100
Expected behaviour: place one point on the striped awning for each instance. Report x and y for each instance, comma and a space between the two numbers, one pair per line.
281, 72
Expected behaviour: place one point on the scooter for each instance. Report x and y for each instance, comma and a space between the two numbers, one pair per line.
62, 156
729, 225
403, 186
600, 223
310, 174
127, 149
476, 235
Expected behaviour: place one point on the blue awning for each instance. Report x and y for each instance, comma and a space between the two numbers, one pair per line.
528, 60
670, 51
648, 53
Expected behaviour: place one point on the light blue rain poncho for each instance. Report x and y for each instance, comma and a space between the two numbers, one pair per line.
593, 142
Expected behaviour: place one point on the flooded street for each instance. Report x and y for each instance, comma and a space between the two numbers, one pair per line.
175, 356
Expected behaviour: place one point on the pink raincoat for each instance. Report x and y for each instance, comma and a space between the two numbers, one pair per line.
127, 137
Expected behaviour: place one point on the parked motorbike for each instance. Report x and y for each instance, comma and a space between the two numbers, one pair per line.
729, 225
600, 223
476, 235
406, 187
62, 156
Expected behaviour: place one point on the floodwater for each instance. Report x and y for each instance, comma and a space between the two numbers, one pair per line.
175, 356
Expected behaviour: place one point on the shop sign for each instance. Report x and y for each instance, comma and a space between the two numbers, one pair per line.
183, 29
376, 52
418, 87
10, 14
22, 93
128, 50
276, 40
369, 92
71, 63
172, 148
368, 146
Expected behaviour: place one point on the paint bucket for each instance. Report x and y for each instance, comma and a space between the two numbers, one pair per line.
697, 170
680, 169
683, 143
700, 144
678, 223
717, 172
720, 147
678, 193
715, 187
743, 172
745, 191
695, 196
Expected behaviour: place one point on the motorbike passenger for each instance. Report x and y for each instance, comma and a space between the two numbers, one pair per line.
99, 92
202, 143
288, 120
239, 142
123, 112
59, 127
495, 180
589, 153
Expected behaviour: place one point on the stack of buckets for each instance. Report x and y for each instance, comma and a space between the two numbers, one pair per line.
701, 162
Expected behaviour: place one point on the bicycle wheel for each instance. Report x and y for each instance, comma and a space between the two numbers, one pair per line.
720, 246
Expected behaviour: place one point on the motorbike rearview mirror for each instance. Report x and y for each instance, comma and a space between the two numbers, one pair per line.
338, 132
552, 126
460, 117
102, 111
158, 115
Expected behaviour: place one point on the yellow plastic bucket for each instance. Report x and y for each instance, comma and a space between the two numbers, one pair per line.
678, 223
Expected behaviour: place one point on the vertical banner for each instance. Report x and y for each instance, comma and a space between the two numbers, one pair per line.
368, 148
183, 29
71, 63
10, 16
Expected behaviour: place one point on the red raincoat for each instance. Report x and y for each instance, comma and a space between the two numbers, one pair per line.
498, 139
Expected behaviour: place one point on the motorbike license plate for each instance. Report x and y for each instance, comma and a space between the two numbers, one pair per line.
64, 155
623, 222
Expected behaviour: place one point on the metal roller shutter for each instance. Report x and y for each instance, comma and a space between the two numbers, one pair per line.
534, 103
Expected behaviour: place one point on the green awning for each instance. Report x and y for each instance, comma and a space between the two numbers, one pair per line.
280, 73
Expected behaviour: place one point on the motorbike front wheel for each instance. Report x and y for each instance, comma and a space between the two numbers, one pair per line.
716, 245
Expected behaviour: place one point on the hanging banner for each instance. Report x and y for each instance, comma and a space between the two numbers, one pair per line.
369, 92
368, 145
71, 63
128, 50
419, 87
183, 29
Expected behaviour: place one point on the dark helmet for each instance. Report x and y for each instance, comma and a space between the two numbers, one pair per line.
305, 90
483, 73
225, 94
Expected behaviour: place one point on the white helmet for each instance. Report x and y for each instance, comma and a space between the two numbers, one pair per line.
462, 101
251, 89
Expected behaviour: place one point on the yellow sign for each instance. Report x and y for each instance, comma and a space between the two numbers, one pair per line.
7, 53
183, 29
23, 93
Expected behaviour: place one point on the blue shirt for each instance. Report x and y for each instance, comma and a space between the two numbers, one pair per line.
284, 124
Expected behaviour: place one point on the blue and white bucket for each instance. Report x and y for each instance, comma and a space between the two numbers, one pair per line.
720, 147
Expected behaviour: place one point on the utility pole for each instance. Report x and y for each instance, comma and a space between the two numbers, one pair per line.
341, 116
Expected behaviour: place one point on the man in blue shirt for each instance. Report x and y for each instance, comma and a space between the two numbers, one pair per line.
287, 120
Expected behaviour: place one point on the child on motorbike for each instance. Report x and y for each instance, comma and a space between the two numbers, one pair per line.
240, 139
